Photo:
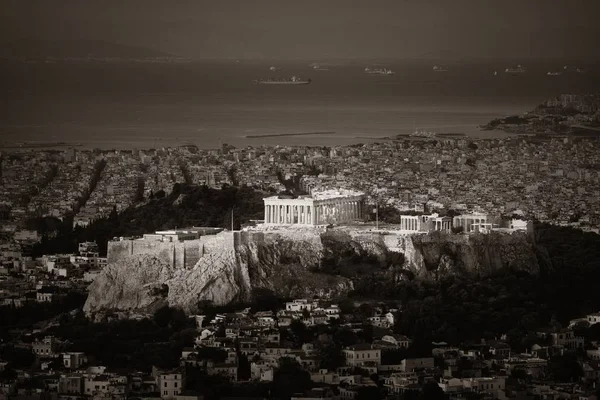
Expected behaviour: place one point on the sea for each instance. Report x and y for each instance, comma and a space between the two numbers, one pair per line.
210, 103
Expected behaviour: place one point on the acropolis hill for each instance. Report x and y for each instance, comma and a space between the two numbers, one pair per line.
289, 252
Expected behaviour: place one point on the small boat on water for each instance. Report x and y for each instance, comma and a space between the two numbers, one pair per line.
291, 81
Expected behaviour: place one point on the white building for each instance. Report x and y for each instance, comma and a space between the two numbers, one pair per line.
361, 354
327, 207
170, 384
425, 223
299, 305
74, 360
472, 222
593, 318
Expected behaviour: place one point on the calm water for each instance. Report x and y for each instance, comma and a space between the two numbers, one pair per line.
149, 105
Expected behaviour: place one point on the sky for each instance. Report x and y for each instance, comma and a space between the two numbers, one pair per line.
318, 29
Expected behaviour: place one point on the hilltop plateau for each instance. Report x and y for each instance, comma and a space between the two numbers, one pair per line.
293, 263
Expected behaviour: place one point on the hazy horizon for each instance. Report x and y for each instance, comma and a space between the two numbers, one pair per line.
316, 30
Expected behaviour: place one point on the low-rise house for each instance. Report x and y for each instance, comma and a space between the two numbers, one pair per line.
171, 383
593, 318
452, 385
71, 384
361, 354
315, 394
399, 383
270, 336
567, 339
300, 305
275, 351
393, 341
74, 360
499, 349
594, 354
325, 376
47, 347
591, 370
412, 364
261, 370
494, 386
309, 363
229, 370
47, 294
248, 346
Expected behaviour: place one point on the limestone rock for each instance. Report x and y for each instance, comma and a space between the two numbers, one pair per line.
135, 282
288, 263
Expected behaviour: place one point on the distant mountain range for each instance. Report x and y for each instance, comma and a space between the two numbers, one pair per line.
77, 48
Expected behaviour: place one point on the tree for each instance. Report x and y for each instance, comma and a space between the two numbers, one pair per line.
114, 215
213, 354
299, 333
162, 316
565, 368
290, 378
244, 372
432, 391
368, 393
458, 229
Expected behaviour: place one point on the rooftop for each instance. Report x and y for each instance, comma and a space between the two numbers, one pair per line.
325, 195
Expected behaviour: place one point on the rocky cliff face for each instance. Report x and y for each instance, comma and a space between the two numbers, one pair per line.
436, 255
293, 264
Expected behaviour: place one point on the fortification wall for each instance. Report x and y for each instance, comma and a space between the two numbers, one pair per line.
165, 251
193, 252
215, 244
118, 249
184, 254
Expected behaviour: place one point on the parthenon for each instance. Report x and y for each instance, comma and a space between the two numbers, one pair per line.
327, 207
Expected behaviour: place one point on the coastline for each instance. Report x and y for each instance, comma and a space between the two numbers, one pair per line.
291, 140
288, 134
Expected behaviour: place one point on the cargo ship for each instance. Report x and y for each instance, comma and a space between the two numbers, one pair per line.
378, 71
554, 73
437, 68
291, 81
519, 69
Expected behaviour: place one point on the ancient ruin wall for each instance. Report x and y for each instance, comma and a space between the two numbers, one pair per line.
184, 254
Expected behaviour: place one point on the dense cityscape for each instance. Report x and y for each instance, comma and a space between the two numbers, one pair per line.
317, 200
303, 348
